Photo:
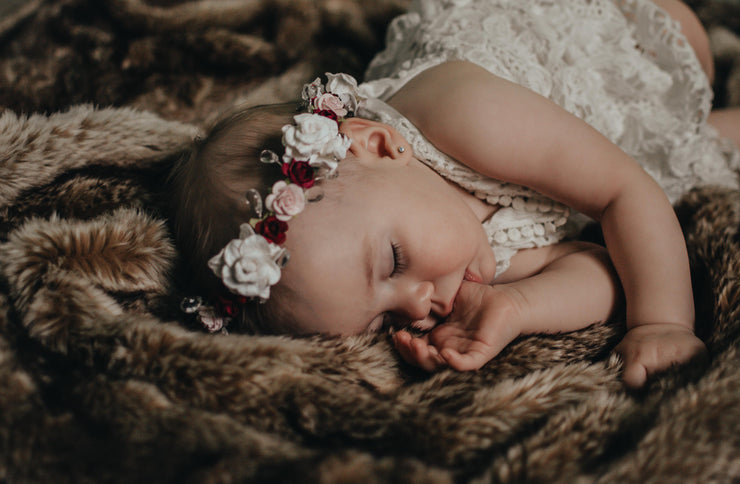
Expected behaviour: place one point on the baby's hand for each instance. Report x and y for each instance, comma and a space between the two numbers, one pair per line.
649, 348
481, 324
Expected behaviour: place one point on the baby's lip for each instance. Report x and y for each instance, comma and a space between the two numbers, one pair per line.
471, 276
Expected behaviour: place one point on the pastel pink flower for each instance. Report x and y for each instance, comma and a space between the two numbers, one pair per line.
286, 200
211, 320
330, 102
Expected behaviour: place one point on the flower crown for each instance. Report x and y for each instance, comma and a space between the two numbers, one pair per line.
251, 264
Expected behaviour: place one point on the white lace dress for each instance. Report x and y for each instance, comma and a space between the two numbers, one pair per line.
623, 66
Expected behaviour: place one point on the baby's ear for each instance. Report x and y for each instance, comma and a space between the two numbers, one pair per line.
374, 137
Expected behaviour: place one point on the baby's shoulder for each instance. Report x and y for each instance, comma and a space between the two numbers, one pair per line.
438, 84
446, 96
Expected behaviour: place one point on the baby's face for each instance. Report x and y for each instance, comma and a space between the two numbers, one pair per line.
394, 249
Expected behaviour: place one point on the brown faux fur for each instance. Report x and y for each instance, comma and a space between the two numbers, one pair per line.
104, 379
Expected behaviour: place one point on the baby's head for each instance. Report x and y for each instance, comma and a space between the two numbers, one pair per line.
207, 189
381, 237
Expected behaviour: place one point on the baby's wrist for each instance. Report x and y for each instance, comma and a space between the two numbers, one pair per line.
509, 307
660, 327
659, 315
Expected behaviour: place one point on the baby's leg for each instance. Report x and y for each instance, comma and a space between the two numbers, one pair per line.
727, 122
694, 32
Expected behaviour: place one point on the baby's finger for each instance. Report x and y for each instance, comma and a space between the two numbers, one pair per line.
468, 361
427, 357
402, 341
438, 359
468, 352
417, 351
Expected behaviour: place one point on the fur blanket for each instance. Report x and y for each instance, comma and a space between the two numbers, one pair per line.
104, 379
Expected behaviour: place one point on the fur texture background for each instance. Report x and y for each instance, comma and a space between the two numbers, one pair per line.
103, 379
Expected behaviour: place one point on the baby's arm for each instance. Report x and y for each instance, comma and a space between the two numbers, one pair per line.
510, 133
563, 287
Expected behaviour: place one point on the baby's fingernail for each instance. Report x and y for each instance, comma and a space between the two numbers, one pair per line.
433, 351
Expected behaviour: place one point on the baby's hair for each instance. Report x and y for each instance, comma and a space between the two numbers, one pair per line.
208, 186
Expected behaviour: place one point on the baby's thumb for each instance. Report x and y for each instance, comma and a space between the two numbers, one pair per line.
468, 361
467, 300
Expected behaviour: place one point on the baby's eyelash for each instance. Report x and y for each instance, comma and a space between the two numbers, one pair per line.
399, 260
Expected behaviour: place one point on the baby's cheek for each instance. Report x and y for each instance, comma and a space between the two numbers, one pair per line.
375, 325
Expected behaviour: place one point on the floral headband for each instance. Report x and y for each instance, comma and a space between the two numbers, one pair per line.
250, 264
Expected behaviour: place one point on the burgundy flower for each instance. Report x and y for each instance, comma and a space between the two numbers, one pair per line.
228, 306
272, 229
299, 172
327, 113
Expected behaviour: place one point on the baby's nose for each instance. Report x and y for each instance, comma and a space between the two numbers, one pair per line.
442, 308
418, 301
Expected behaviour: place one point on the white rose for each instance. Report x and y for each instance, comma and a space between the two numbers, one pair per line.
344, 86
325, 166
285, 200
247, 266
312, 134
337, 151
336, 147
